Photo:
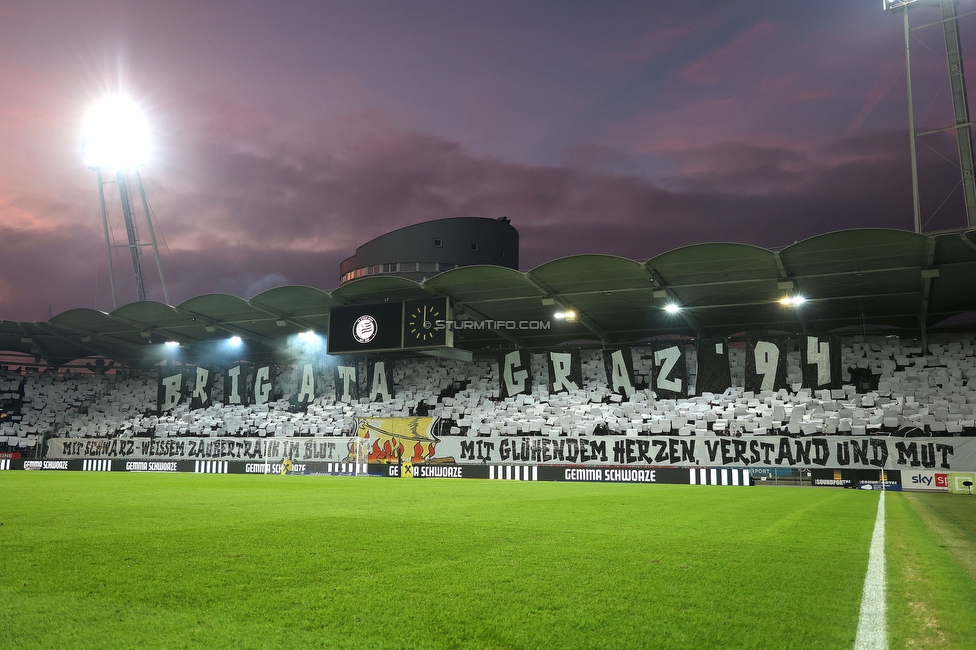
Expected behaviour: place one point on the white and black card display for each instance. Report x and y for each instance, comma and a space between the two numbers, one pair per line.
565, 370
619, 364
765, 365
360, 328
765, 369
203, 382
347, 382
714, 374
670, 370
171, 389
237, 384
263, 386
820, 360
380, 380
515, 370
305, 379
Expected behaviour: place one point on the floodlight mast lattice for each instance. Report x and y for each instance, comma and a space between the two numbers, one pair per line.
116, 142
960, 103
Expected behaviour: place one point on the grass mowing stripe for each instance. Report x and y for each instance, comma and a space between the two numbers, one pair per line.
252, 561
930, 594
953, 520
872, 625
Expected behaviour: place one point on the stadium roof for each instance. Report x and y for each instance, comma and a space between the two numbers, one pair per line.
865, 278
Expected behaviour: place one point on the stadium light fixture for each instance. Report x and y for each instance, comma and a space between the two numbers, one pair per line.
310, 341
672, 308
172, 344
235, 341
115, 136
115, 141
891, 5
565, 315
792, 301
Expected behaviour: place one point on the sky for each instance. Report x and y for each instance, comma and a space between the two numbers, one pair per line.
286, 134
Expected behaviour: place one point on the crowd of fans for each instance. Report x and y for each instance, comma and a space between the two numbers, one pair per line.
890, 388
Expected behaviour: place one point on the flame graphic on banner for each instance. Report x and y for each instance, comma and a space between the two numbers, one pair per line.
399, 440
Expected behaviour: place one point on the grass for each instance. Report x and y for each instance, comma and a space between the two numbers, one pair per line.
931, 549
123, 560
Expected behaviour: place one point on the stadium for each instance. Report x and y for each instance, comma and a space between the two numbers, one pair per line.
694, 370
720, 445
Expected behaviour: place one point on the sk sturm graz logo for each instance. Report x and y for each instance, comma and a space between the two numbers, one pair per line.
364, 329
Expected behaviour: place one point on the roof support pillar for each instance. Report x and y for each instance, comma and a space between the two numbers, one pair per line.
928, 274
42, 350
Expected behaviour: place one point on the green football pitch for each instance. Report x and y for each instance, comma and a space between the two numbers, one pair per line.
185, 560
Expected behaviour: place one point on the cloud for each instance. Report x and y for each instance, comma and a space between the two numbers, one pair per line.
241, 217
330, 196
248, 285
741, 168
738, 54
654, 43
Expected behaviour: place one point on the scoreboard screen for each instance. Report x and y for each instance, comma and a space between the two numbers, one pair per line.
362, 328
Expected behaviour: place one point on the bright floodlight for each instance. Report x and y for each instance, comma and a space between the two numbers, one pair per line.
565, 315
235, 341
792, 301
115, 136
672, 308
172, 344
309, 341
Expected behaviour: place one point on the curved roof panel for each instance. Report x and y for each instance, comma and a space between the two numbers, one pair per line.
483, 283
296, 301
85, 319
586, 273
852, 251
150, 314
856, 278
378, 288
483, 293
713, 280
710, 262
303, 307
220, 307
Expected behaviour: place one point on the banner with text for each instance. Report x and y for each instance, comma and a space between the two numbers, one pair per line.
400, 440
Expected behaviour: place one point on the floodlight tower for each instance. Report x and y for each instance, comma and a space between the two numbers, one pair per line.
960, 102
116, 143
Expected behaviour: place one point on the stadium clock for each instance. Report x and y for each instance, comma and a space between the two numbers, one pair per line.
425, 323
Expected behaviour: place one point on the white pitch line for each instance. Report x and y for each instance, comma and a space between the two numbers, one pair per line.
872, 626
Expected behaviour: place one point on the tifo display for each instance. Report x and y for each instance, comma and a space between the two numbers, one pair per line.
774, 403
